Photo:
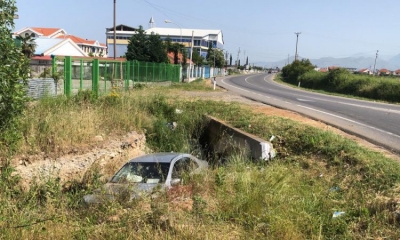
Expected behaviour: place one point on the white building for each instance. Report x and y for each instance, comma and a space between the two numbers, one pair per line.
202, 38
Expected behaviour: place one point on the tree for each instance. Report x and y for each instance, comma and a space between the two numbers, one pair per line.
28, 45
138, 46
14, 69
215, 58
293, 71
197, 58
157, 49
184, 57
175, 48
146, 48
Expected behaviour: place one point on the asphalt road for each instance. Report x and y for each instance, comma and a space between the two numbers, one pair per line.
378, 123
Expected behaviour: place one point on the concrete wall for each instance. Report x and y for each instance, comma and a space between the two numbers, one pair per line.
223, 139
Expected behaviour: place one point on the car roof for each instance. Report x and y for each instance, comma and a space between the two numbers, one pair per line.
164, 157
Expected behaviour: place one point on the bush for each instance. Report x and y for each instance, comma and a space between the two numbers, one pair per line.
293, 71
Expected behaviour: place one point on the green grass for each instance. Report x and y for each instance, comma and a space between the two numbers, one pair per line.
343, 83
293, 196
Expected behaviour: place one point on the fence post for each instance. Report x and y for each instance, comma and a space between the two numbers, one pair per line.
53, 64
105, 76
81, 75
127, 73
95, 76
67, 76
154, 70
133, 72
147, 70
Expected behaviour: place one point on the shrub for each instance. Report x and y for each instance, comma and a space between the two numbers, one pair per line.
293, 71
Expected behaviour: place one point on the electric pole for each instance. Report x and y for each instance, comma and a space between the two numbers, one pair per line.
373, 73
237, 59
297, 41
244, 58
115, 31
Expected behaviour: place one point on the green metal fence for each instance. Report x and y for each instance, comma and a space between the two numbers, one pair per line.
101, 76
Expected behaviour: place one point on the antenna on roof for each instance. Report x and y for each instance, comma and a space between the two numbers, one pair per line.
152, 23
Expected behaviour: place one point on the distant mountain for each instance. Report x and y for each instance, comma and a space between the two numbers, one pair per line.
358, 62
395, 60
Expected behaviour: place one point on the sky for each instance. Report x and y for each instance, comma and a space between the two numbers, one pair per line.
263, 30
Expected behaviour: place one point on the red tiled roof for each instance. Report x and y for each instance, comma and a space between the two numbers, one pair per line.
79, 40
171, 58
45, 31
383, 70
332, 67
41, 58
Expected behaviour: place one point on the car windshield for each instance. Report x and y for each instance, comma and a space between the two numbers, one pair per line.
139, 172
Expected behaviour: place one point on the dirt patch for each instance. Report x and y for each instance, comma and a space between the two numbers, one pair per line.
108, 157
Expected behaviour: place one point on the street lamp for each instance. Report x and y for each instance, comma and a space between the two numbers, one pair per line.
168, 21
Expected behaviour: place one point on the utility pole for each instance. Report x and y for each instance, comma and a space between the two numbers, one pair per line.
297, 41
237, 59
373, 73
191, 56
115, 31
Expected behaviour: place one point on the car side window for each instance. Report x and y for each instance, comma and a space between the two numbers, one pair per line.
177, 169
182, 166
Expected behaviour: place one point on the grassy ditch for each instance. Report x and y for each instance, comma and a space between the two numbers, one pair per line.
315, 174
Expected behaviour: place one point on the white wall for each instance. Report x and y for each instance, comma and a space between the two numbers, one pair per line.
65, 49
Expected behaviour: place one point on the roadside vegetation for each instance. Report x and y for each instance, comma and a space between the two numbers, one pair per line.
315, 174
341, 81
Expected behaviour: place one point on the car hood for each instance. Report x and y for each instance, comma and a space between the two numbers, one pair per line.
112, 191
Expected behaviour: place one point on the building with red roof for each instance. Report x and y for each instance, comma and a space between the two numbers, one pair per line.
90, 48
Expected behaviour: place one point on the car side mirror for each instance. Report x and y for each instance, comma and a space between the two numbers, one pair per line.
175, 181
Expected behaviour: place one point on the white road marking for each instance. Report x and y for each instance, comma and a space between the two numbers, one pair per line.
304, 100
323, 112
340, 102
352, 121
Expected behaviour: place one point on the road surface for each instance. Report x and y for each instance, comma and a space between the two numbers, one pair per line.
376, 122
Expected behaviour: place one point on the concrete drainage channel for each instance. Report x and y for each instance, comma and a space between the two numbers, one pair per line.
220, 140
